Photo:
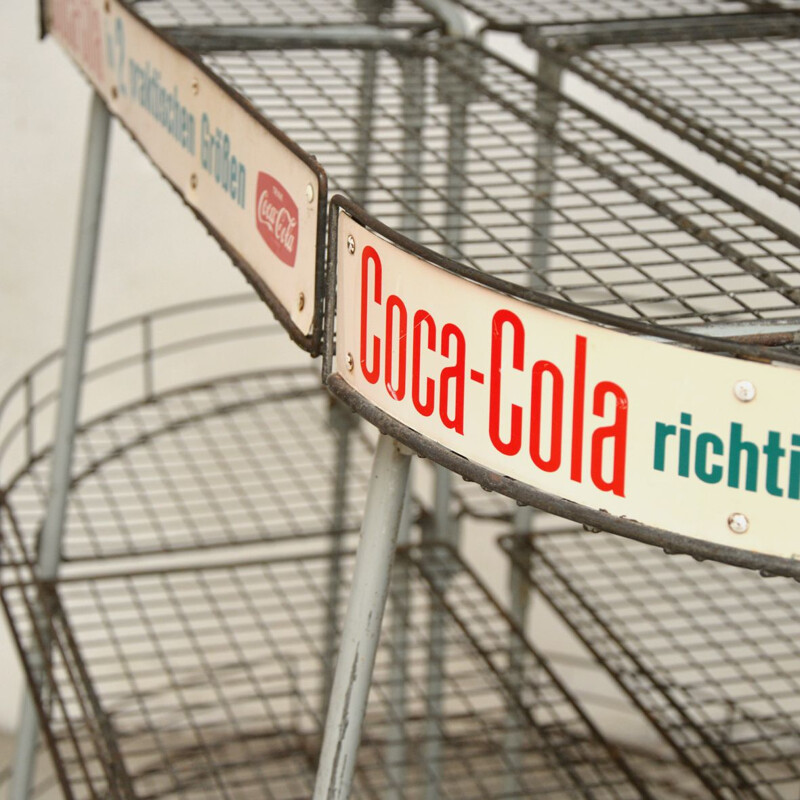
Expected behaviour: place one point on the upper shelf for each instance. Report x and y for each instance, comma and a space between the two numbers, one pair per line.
189, 13
517, 15
732, 91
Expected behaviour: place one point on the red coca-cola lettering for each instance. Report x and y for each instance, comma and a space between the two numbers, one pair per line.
558, 417
277, 218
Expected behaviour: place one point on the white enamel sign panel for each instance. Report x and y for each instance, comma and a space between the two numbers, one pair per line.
256, 192
693, 443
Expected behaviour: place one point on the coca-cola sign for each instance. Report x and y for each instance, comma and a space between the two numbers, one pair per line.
277, 218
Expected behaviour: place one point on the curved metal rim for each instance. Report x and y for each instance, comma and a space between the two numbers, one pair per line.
523, 493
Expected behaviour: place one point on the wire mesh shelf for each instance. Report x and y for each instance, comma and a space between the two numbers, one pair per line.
706, 651
516, 15
627, 232
731, 90
207, 680
221, 13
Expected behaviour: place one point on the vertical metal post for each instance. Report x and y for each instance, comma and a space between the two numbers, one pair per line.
397, 748
442, 530
362, 624
366, 116
343, 421
547, 106
49, 556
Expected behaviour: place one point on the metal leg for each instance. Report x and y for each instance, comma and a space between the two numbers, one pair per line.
343, 421
549, 74
413, 70
366, 116
442, 530
519, 589
397, 749
362, 624
49, 556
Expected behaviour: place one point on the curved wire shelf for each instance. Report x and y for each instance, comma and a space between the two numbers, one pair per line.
204, 462
517, 15
207, 680
729, 90
707, 652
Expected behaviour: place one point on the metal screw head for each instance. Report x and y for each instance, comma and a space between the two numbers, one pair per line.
738, 523
351, 245
193, 180
350, 362
301, 301
195, 86
744, 391
309, 193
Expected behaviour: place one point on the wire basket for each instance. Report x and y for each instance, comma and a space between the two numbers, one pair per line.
204, 462
207, 680
707, 652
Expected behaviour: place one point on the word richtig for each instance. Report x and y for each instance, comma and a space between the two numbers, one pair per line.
732, 459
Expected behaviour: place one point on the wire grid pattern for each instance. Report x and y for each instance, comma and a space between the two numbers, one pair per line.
707, 651
595, 217
233, 461
737, 98
280, 12
515, 14
206, 681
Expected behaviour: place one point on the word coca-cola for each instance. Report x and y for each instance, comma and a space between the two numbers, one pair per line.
277, 218
556, 418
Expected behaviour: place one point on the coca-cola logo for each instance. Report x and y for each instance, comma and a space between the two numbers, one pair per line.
277, 218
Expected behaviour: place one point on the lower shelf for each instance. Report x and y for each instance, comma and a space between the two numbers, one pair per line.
709, 653
209, 680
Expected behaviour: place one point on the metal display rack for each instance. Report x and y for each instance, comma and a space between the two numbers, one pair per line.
478, 210
705, 651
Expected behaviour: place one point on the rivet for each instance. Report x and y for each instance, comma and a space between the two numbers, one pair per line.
107, 6
114, 93
193, 181
195, 86
738, 523
744, 391
350, 362
301, 301
351, 245
309, 193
